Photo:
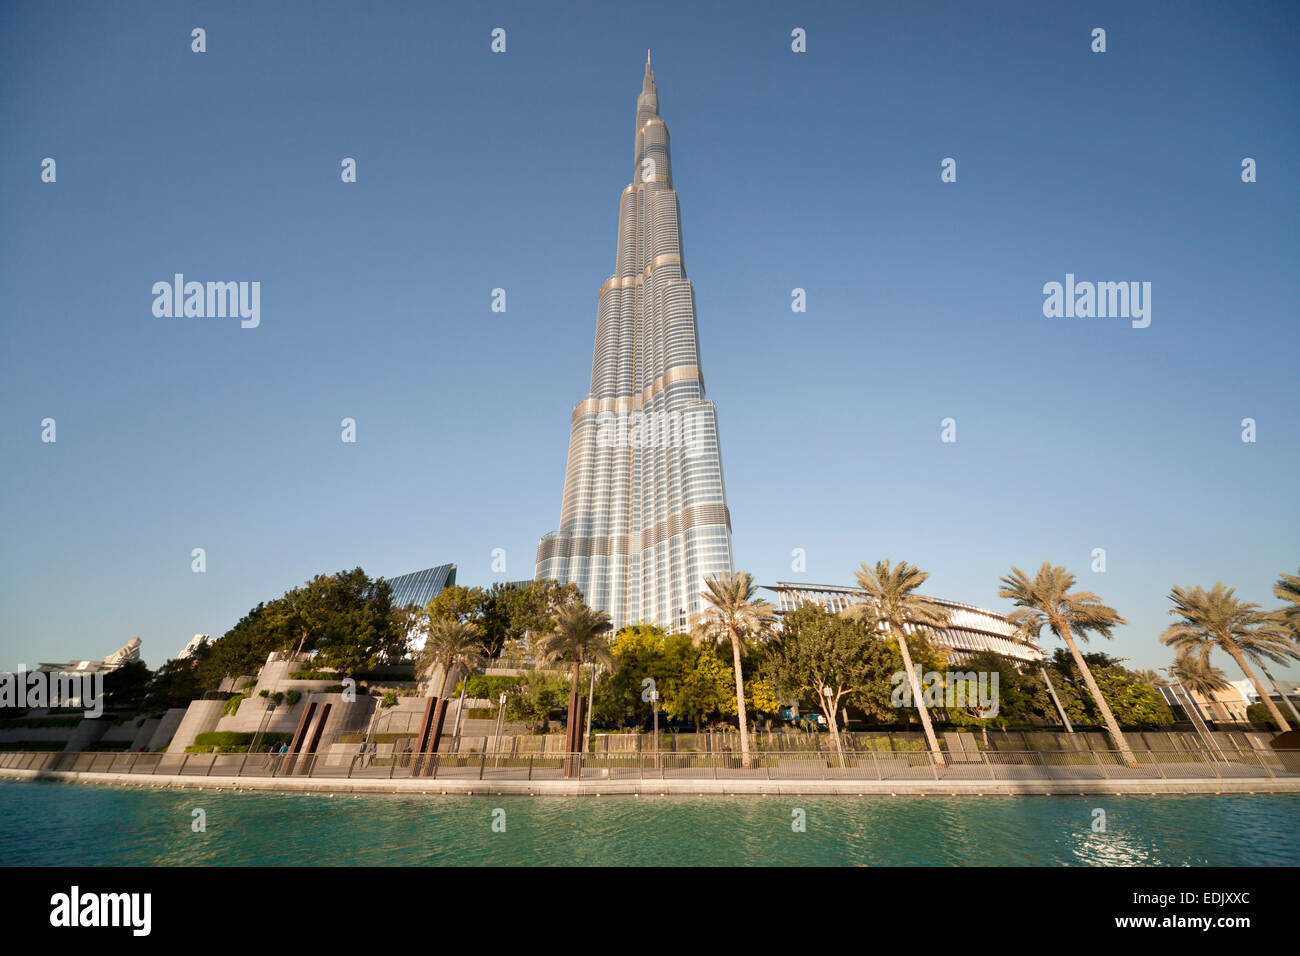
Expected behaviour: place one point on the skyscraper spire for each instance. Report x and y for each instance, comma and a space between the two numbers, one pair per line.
644, 518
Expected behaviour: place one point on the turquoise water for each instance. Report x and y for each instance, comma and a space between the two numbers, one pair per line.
45, 824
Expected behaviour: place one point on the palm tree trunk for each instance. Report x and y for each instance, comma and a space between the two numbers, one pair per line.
1280, 692
1237, 656
835, 728
740, 701
1111, 726
918, 699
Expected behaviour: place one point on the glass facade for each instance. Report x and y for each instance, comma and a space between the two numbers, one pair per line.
970, 629
644, 517
421, 587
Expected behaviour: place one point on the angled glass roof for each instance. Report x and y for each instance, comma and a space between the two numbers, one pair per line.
421, 587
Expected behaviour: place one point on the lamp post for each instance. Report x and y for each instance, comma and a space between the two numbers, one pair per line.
501, 721
591, 700
654, 704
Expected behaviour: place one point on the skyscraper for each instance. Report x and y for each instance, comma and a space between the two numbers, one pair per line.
644, 518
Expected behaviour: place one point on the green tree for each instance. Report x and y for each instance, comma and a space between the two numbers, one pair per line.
449, 643
539, 694
642, 651
577, 637
823, 653
707, 689
125, 687
1218, 619
1287, 590
1046, 600
175, 683
734, 615
1195, 674
894, 607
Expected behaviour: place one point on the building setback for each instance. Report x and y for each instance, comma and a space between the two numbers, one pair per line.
644, 517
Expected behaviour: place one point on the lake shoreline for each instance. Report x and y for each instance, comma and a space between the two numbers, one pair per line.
435, 786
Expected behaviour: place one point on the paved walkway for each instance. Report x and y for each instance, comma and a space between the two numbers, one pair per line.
672, 786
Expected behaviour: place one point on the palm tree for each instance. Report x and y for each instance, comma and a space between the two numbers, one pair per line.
736, 615
1151, 678
450, 642
1196, 674
892, 605
1217, 618
1287, 589
1046, 599
576, 637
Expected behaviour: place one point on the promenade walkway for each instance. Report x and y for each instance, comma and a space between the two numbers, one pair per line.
1045, 772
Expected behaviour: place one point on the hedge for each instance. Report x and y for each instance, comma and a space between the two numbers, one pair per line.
234, 742
43, 745
490, 685
14, 722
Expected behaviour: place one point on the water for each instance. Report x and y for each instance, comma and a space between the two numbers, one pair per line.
58, 824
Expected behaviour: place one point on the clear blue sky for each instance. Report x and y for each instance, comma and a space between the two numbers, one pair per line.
478, 171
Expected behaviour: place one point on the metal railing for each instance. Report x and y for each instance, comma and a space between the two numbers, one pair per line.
1029, 765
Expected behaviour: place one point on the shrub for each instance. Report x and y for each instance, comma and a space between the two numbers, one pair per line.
232, 705
312, 675
232, 742
390, 699
15, 722
293, 697
491, 685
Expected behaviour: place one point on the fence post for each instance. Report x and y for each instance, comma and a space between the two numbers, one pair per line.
392, 763
1159, 769
483, 762
1100, 766
352, 764
240, 772
875, 764
1047, 771
184, 760
1264, 763
437, 762
530, 766
934, 764
714, 757
985, 758
1211, 762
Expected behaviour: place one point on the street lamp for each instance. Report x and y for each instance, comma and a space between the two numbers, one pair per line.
654, 704
501, 719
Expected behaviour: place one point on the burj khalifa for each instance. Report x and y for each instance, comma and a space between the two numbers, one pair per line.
644, 518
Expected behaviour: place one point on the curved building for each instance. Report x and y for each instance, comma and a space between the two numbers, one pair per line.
971, 629
644, 518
